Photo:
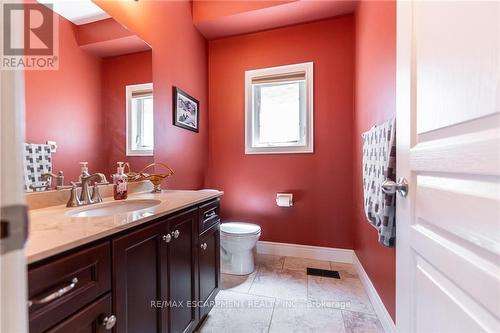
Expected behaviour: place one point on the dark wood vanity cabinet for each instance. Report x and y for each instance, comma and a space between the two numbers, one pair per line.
208, 267
159, 277
182, 271
140, 278
155, 276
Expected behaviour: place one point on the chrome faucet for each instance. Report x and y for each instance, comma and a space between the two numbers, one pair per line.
59, 177
86, 197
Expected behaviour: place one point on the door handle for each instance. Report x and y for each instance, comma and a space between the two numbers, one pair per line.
203, 246
176, 233
167, 238
391, 187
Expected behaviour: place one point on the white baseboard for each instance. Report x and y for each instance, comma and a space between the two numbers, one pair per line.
384, 316
305, 251
338, 255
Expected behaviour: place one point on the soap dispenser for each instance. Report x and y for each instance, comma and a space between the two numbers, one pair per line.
120, 183
85, 171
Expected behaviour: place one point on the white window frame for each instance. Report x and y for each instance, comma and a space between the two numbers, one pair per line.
251, 118
129, 90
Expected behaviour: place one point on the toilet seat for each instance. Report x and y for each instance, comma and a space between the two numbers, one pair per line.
239, 229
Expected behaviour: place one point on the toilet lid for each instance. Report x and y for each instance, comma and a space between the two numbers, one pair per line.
239, 228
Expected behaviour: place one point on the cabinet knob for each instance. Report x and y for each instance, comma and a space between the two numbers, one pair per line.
176, 233
109, 322
167, 238
203, 246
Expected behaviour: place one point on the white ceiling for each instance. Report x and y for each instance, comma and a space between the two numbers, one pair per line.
77, 11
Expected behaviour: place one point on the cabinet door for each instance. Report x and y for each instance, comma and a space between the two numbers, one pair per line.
140, 269
209, 268
181, 270
91, 319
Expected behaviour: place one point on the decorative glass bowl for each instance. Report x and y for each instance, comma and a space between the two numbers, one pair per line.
155, 178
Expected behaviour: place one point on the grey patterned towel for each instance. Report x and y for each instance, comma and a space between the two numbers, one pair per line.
379, 164
37, 161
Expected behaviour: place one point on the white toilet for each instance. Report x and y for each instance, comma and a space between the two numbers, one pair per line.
237, 241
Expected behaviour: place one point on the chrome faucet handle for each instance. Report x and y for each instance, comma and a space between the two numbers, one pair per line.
47, 175
59, 177
73, 197
96, 196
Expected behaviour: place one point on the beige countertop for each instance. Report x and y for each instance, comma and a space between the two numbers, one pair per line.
53, 231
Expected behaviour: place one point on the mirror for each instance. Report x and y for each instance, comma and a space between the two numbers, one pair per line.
97, 107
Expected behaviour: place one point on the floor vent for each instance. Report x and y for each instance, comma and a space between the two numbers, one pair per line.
323, 273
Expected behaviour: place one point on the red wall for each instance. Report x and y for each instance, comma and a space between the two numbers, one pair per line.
65, 106
179, 59
118, 72
375, 102
321, 182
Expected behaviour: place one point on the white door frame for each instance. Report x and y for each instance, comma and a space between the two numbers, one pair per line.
405, 140
13, 268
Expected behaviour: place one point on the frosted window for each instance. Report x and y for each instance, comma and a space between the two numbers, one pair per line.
279, 113
140, 125
279, 110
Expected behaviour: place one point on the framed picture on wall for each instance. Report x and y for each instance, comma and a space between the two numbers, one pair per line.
186, 110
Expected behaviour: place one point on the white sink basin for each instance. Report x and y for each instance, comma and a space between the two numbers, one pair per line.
112, 208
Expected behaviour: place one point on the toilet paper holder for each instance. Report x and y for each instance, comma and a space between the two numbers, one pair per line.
284, 199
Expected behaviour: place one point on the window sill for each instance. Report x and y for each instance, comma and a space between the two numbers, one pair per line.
140, 153
278, 150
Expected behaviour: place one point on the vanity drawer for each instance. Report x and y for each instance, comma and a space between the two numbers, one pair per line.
95, 318
61, 287
209, 215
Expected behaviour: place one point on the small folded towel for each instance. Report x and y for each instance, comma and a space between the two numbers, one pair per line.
37, 161
379, 164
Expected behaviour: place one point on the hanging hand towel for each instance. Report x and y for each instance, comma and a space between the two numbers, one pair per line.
37, 161
379, 164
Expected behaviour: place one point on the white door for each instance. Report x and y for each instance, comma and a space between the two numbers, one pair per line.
13, 286
448, 146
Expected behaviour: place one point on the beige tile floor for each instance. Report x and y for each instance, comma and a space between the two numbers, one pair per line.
279, 297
